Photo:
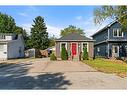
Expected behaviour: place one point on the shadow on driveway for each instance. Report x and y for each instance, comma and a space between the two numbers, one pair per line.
16, 77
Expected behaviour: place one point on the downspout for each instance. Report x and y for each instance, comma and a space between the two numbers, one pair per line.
108, 43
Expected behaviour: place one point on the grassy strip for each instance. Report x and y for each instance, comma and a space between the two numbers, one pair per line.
108, 66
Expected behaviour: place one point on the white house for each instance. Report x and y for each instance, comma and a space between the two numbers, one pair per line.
11, 46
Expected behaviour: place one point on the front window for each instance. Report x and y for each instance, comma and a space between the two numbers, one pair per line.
117, 32
63, 45
84, 45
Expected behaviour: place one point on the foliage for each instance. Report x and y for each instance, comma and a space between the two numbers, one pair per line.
71, 29
64, 54
85, 54
113, 12
7, 24
52, 41
20, 30
108, 65
53, 57
39, 35
29, 43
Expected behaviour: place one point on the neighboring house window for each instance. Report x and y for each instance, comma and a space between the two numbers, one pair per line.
63, 44
84, 45
117, 32
2, 37
98, 49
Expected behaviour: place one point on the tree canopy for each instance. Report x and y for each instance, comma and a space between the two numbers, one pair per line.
39, 34
71, 29
113, 12
7, 24
52, 41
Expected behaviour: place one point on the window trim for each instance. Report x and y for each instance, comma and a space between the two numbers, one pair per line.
117, 31
61, 45
87, 46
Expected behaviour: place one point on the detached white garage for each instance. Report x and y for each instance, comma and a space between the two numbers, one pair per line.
11, 46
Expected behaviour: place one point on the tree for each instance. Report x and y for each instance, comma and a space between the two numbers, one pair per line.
85, 54
113, 12
71, 29
7, 24
52, 41
64, 54
39, 36
20, 30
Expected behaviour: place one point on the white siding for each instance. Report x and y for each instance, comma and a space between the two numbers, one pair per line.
8, 37
14, 49
3, 51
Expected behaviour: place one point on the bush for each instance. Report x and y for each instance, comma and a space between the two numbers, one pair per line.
85, 54
64, 54
53, 57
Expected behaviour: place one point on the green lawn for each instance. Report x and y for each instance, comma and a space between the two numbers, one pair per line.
108, 66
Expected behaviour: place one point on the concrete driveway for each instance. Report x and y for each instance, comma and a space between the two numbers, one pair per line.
45, 74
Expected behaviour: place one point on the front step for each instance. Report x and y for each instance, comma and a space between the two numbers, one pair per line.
75, 59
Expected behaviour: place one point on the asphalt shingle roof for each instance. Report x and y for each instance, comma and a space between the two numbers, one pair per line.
74, 37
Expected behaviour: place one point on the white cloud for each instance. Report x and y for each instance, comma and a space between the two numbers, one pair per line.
79, 17
27, 27
28, 12
23, 14
89, 27
52, 30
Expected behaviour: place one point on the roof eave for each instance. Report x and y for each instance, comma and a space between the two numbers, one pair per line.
109, 25
74, 40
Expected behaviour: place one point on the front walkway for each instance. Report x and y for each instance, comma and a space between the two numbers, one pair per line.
45, 74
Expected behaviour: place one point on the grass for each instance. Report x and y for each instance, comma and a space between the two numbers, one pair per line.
108, 66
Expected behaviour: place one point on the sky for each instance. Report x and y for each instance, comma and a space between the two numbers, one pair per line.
56, 17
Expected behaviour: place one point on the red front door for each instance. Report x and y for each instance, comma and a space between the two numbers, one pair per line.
74, 49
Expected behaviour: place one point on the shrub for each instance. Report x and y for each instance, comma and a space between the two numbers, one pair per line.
53, 57
64, 54
85, 54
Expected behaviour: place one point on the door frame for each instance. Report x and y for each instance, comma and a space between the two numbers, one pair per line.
76, 48
116, 54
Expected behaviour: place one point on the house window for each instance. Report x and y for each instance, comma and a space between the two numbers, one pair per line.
84, 45
2, 36
117, 32
63, 44
98, 49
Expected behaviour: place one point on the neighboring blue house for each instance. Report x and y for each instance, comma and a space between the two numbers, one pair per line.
110, 41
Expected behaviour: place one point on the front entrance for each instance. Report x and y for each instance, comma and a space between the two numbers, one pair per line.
115, 51
74, 49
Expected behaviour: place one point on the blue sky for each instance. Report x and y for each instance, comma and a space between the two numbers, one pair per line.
56, 17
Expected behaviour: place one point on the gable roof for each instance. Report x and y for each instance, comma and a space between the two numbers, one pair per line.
74, 37
107, 26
